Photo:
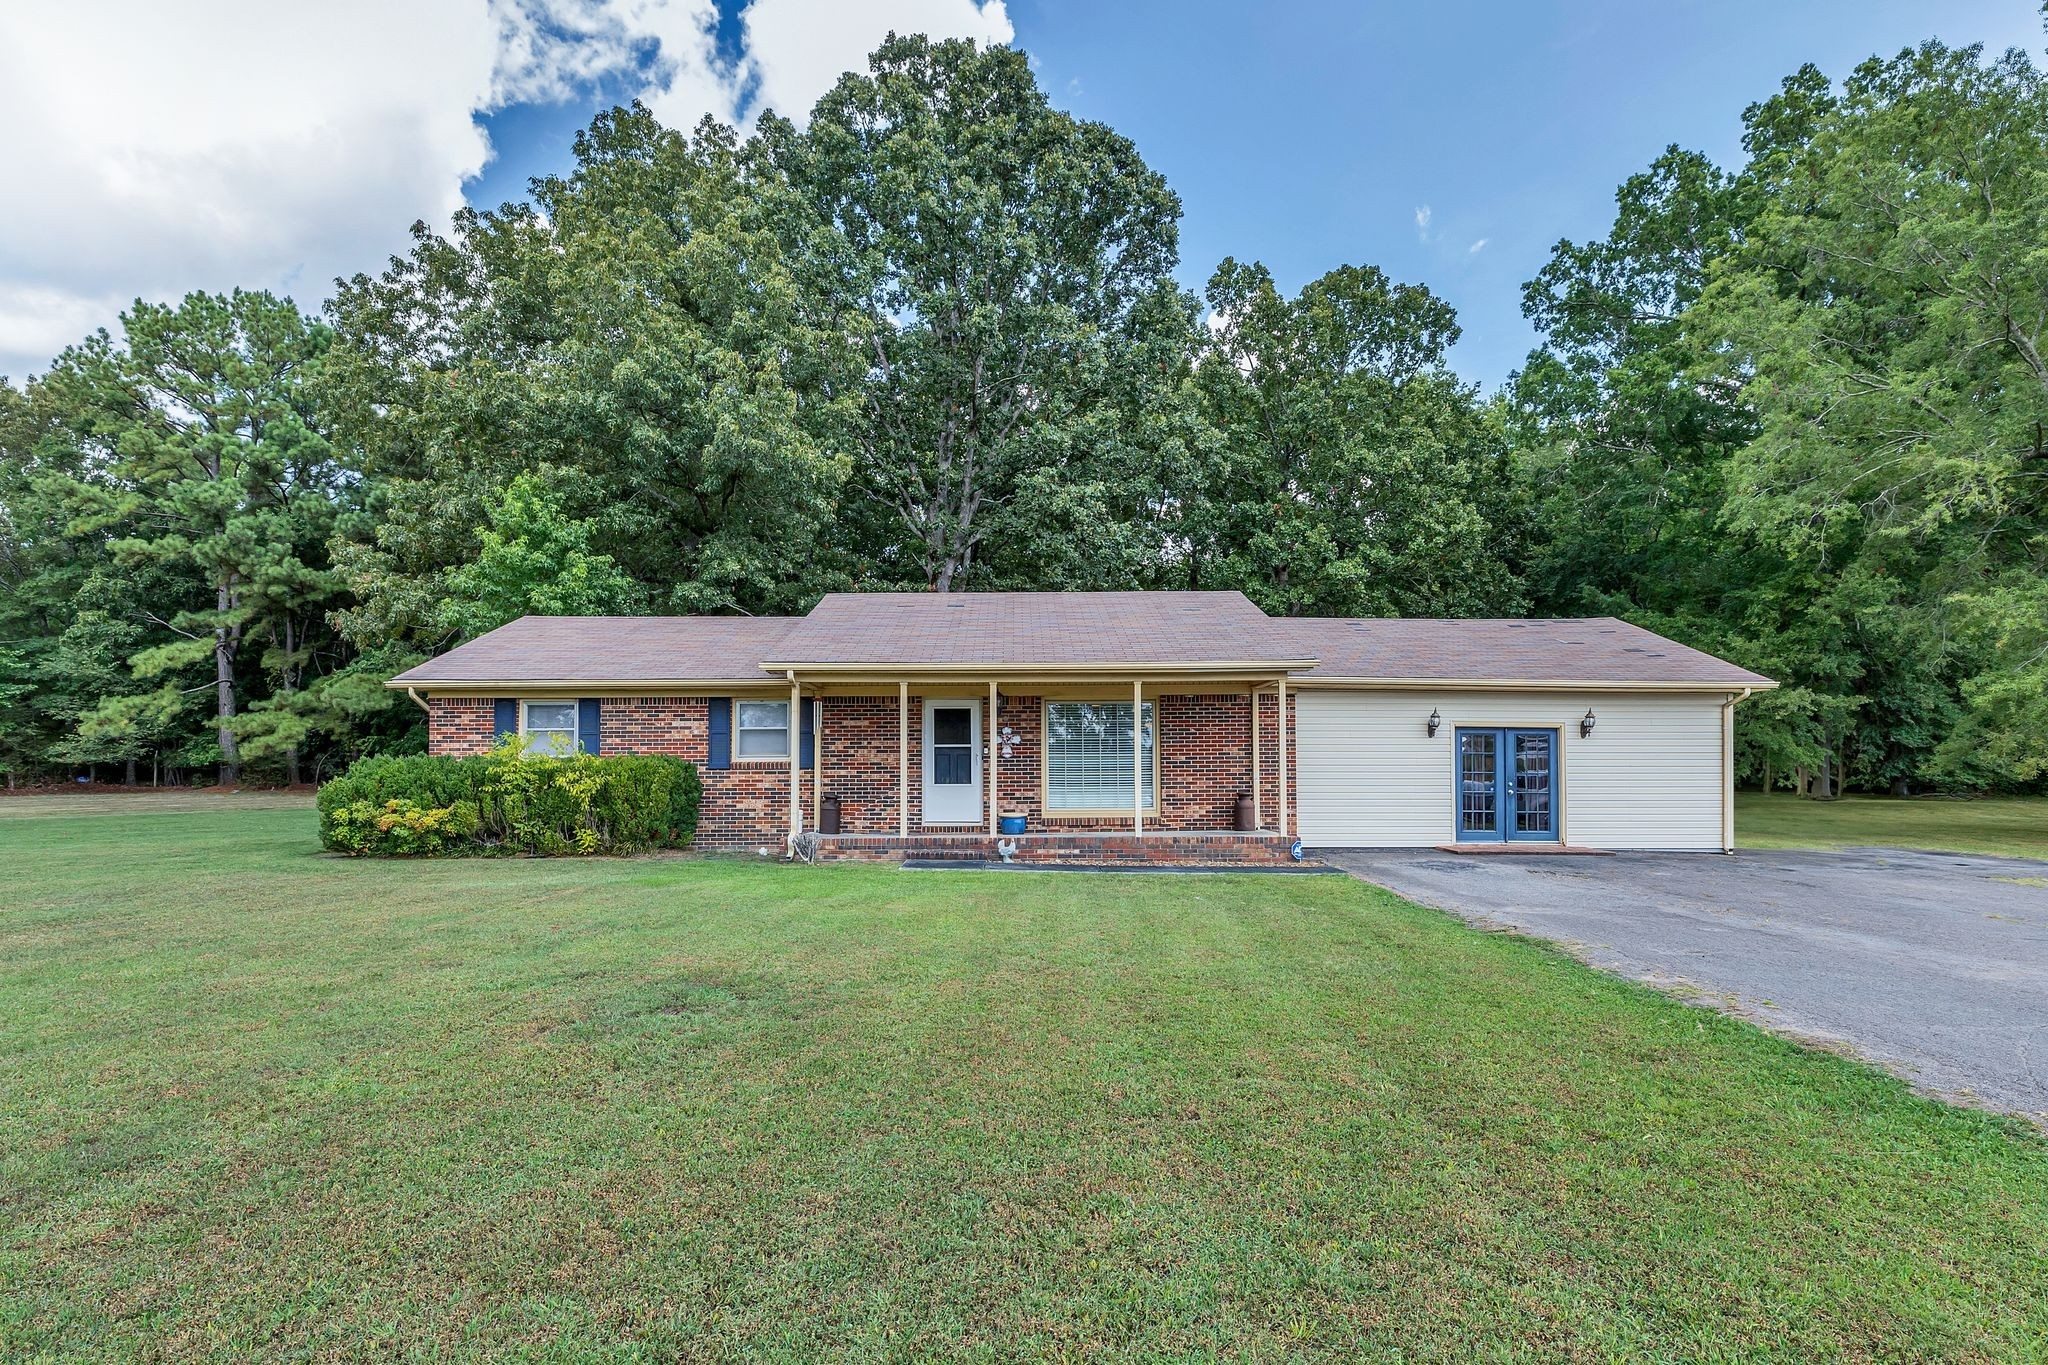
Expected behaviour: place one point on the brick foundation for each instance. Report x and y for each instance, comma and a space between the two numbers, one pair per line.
1204, 744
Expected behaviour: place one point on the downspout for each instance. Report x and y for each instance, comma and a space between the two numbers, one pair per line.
1728, 768
414, 694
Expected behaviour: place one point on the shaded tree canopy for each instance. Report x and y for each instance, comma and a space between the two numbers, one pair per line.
932, 336
1792, 414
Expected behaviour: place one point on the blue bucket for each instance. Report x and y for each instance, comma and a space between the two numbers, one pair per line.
1011, 824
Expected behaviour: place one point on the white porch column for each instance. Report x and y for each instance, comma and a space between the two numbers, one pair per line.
817, 763
796, 773
1137, 759
1280, 780
1258, 797
902, 760
995, 747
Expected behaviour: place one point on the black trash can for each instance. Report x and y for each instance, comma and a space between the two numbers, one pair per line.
828, 815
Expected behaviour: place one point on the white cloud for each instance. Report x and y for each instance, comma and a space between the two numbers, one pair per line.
1422, 223
1477, 246
152, 148
162, 148
796, 50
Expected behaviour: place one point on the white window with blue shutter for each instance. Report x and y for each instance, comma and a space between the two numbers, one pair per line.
762, 730
553, 727
548, 728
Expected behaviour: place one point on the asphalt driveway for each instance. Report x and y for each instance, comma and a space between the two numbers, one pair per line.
1934, 965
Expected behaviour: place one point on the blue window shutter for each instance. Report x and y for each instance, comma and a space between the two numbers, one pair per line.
505, 720
807, 746
721, 733
588, 713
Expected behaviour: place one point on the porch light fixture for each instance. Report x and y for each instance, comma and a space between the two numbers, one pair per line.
1436, 722
1586, 724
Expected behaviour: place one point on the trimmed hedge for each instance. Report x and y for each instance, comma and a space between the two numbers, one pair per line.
506, 802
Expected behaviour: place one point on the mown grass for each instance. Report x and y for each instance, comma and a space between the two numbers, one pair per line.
259, 1102
2009, 827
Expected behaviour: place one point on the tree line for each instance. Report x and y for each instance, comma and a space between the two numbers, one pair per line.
1790, 412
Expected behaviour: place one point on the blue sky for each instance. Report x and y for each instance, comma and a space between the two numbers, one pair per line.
1309, 135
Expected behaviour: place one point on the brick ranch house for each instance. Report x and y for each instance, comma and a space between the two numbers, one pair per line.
1123, 726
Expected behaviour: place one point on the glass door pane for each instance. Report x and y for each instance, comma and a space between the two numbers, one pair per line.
1478, 783
952, 746
1535, 787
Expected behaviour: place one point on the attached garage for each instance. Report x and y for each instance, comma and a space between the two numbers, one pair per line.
1509, 764
1592, 733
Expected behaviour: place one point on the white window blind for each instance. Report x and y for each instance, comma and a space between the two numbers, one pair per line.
1088, 755
763, 729
551, 728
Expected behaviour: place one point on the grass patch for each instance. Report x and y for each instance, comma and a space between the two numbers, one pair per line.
256, 1101
2009, 827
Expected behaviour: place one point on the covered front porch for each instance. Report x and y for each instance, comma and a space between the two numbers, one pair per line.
1186, 765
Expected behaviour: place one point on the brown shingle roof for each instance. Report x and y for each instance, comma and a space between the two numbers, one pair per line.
1062, 629
1071, 630
599, 649
1593, 649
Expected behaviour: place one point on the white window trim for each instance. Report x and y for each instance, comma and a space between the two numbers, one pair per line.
1151, 806
575, 742
739, 729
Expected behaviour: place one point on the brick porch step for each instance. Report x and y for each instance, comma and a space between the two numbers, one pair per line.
1180, 846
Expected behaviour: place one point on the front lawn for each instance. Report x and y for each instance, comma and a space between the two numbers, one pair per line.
255, 1101
2010, 827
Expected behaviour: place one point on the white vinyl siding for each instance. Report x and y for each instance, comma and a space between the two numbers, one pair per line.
1649, 777
1088, 756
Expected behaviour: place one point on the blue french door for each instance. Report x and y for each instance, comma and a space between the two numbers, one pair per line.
1507, 785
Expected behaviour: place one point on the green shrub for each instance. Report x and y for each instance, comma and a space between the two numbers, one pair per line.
508, 802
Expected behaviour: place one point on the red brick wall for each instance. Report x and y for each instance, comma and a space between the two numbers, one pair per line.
745, 806
857, 747
1204, 761
1269, 740
460, 726
678, 726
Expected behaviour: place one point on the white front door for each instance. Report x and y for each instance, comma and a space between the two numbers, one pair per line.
952, 762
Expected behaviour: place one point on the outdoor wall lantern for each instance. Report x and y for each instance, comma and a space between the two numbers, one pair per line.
1586, 724
1436, 722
